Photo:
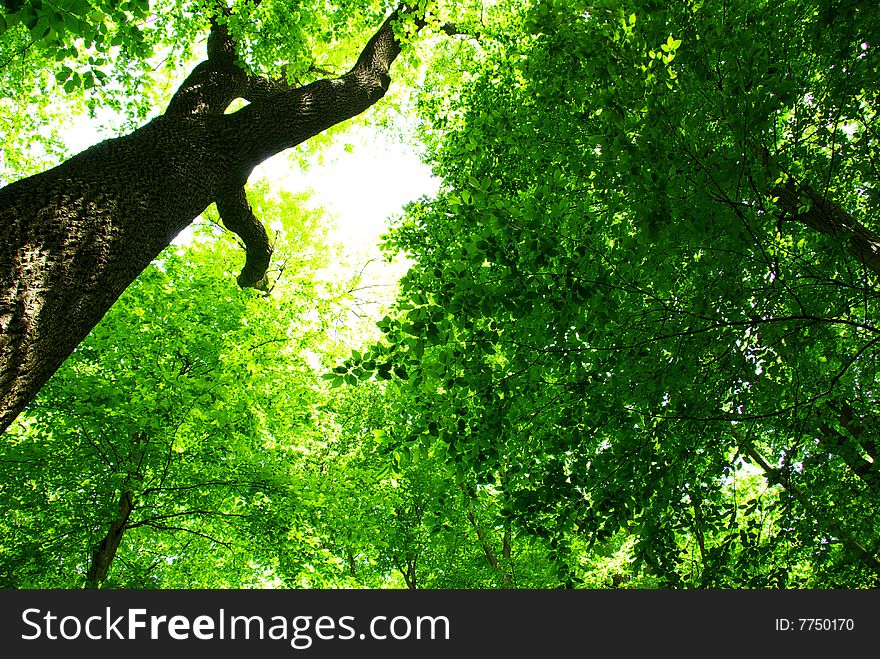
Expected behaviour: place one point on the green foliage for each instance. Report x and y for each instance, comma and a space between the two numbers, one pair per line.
394, 519
190, 396
617, 360
609, 322
69, 58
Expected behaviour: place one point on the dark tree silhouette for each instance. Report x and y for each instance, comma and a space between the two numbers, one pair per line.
74, 237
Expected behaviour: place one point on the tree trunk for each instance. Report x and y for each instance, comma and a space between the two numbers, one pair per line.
74, 237
826, 217
105, 551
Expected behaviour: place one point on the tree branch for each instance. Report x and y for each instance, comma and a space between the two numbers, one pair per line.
283, 119
198, 534
105, 551
830, 219
214, 83
219, 80
778, 477
238, 217
278, 118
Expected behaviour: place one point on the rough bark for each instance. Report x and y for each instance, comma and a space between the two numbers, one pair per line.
74, 237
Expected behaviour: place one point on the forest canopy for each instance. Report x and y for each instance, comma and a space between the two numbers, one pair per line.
635, 346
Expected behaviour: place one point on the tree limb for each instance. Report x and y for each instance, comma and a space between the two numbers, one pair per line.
830, 219
105, 551
237, 216
776, 476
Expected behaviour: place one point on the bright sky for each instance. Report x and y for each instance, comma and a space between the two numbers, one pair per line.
361, 189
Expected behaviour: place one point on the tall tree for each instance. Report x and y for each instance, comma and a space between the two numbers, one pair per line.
649, 277
144, 452
74, 237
